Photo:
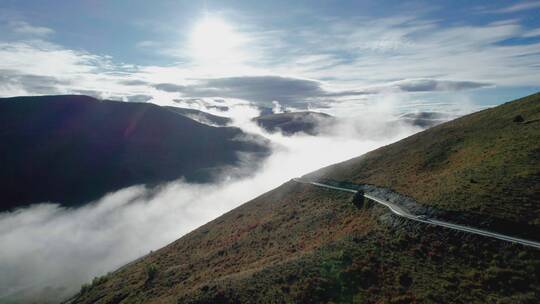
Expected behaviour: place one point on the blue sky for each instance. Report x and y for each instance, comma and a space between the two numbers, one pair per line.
293, 52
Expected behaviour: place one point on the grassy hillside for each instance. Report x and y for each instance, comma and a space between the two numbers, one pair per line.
302, 244
73, 149
482, 168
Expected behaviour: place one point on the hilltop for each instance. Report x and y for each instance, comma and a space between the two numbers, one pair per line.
72, 149
303, 244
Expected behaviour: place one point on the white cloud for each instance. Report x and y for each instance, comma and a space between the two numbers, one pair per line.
39, 57
139, 98
24, 28
350, 55
298, 92
518, 7
147, 44
276, 107
378, 52
31, 67
429, 85
532, 33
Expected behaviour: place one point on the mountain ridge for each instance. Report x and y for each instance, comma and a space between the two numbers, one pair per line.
202, 117
74, 149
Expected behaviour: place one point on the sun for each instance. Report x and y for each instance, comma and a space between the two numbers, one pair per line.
213, 40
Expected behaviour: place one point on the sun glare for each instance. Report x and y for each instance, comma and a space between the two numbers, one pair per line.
213, 41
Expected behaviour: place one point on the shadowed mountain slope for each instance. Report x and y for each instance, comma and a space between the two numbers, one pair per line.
73, 149
303, 244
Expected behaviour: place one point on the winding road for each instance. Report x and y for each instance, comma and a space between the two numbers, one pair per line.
397, 210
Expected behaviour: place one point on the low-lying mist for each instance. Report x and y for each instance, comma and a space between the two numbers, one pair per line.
47, 251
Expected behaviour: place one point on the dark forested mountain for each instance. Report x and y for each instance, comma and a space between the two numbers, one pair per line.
290, 123
73, 149
304, 244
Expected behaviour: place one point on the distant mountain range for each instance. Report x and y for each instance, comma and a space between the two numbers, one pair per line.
202, 117
303, 244
315, 123
424, 119
73, 149
290, 123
